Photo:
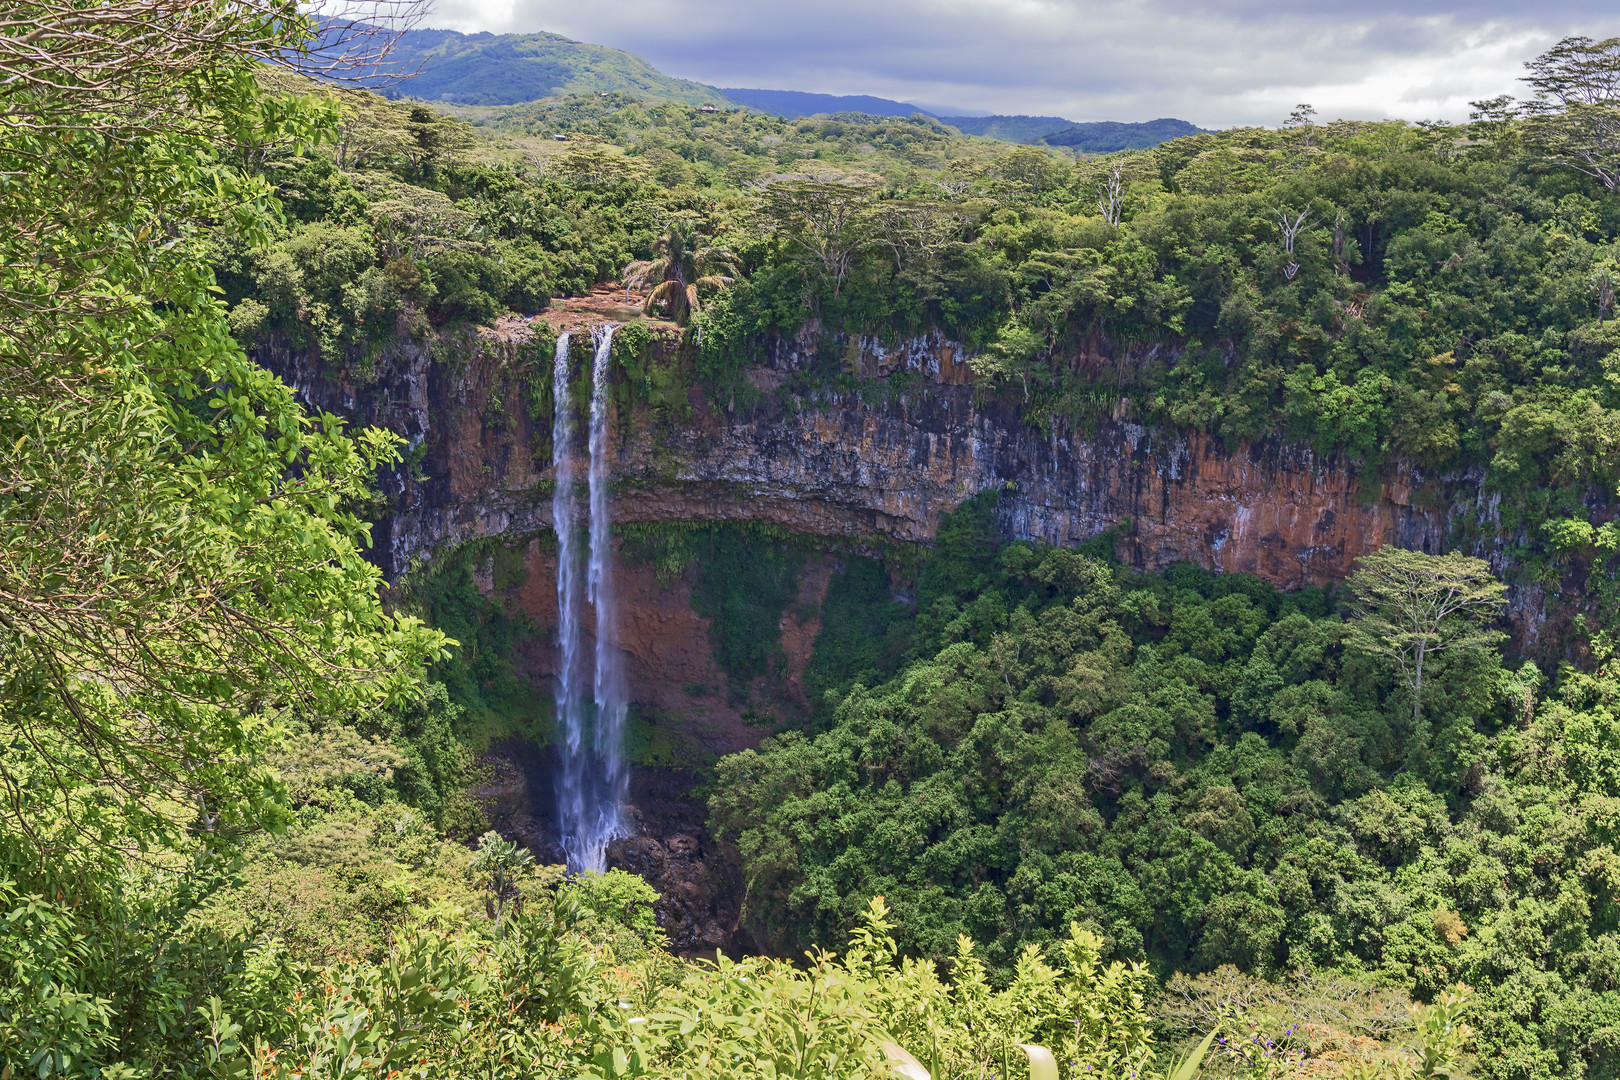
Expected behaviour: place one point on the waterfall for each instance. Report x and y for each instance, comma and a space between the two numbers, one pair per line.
592, 781
608, 683
570, 732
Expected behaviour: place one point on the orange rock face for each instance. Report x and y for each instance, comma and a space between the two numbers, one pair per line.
669, 661
888, 462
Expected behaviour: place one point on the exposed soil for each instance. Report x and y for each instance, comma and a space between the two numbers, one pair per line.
604, 303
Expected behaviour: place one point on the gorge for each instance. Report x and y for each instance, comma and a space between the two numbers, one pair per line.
871, 470
611, 587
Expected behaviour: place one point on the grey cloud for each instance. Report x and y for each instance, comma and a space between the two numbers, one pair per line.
1217, 64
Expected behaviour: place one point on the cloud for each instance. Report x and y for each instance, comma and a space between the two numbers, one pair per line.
1215, 63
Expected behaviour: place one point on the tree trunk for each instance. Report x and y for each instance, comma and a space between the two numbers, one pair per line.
1417, 687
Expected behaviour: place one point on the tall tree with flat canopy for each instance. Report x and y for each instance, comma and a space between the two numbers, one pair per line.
1575, 116
1410, 607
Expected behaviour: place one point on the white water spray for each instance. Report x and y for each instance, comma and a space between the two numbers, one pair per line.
608, 684
564, 512
592, 782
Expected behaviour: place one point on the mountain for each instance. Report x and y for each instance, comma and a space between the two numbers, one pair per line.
1091, 138
1107, 136
505, 69
793, 104
1007, 128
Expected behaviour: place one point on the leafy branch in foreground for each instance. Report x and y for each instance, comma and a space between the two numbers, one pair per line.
177, 566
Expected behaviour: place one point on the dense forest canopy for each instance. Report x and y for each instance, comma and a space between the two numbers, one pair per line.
1434, 295
1041, 799
1202, 771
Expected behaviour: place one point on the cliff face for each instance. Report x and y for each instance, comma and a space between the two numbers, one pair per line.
887, 462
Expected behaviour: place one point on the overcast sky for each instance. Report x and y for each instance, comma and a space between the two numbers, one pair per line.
1217, 63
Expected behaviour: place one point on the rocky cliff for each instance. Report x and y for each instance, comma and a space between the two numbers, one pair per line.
875, 459
885, 461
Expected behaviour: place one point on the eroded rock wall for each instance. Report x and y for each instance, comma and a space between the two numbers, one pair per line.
889, 461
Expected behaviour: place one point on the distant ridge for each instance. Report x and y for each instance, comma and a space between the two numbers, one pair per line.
1008, 128
1107, 136
505, 69
1098, 137
508, 69
793, 104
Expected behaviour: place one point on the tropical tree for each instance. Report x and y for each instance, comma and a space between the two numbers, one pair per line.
681, 266
1409, 607
178, 566
497, 863
1574, 119
826, 223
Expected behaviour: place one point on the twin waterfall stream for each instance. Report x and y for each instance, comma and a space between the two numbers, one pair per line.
592, 781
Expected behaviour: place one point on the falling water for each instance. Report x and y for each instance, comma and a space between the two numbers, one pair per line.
614, 781
571, 793
592, 783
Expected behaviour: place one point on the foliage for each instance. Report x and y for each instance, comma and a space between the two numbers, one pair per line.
177, 573
492, 698
1575, 117
496, 865
1201, 771
744, 578
1411, 607
540, 1002
620, 899
681, 268
865, 633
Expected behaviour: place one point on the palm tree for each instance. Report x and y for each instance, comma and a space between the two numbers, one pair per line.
680, 266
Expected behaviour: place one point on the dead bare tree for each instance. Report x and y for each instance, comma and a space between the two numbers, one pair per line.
1291, 225
1111, 195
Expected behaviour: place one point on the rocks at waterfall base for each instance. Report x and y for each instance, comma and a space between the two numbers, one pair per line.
698, 883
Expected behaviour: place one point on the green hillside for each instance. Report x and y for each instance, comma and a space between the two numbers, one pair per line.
503, 69
511, 69
1108, 137
1007, 128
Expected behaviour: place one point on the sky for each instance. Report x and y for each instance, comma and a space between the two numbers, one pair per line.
1217, 63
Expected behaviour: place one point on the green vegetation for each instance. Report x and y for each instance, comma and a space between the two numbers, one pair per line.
1113, 814
492, 699
1203, 772
503, 69
745, 578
